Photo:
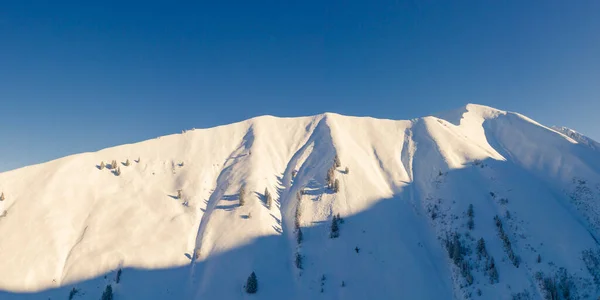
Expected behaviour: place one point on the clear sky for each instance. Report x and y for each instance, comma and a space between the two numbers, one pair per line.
79, 76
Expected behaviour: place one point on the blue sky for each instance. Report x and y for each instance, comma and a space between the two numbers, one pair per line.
78, 76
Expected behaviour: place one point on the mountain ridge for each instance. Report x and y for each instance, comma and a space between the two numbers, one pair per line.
69, 222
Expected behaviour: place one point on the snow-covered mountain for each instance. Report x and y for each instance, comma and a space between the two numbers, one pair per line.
580, 138
477, 203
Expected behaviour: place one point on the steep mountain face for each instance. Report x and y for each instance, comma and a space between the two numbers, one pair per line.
476, 203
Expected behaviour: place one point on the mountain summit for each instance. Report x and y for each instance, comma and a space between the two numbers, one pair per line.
476, 203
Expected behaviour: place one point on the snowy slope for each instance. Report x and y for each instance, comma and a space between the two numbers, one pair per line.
404, 204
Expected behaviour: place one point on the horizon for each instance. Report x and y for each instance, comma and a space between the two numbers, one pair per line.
80, 78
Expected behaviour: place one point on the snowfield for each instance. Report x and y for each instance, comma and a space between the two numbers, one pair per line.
406, 230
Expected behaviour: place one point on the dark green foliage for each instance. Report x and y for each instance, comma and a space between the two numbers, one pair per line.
298, 261
73, 292
108, 293
242, 196
335, 229
252, 284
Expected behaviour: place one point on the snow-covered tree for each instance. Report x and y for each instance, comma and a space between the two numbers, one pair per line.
102, 165
113, 164
2, 197
336, 161
118, 171
127, 163
252, 284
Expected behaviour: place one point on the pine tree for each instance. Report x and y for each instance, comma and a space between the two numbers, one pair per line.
127, 163
252, 284
492, 272
297, 217
298, 261
336, 161
470, 214
347, 171
330, 177
113, 164
179, 195
539, 259
268, 199
481, 251
118, 171
118, 279
242, 196
102, 165
138, 160
335, 229
336, 186
2, 197
108, 293
299, 236
73, 292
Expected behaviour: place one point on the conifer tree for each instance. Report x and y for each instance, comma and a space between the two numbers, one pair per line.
242, 196
113, 164
118, 171
335, 229
252, 284
2, 197
268, 199
336, 161
347, 171
179, 195
108, 293
102, 165
298, 261
299, 236
127, 163
336, 186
